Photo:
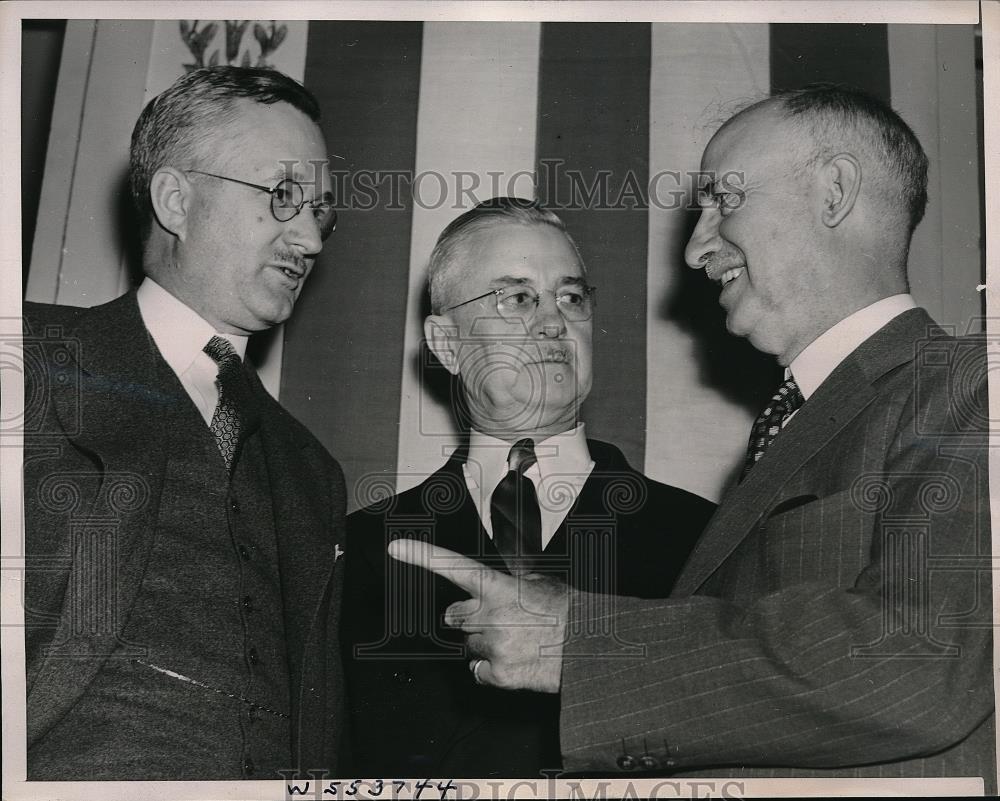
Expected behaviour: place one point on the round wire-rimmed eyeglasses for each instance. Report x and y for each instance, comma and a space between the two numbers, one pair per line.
288, 198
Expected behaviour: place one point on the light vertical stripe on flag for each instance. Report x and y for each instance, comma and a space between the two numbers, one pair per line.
703, 384
944, 265
475, 132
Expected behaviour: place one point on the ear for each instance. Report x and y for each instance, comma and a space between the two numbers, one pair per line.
441, 334
842, 183
170, 197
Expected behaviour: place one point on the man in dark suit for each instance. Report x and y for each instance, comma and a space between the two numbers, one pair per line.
835, 617
513, 321
182, 529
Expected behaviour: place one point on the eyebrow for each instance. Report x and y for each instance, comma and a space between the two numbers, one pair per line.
281, 174
508, 280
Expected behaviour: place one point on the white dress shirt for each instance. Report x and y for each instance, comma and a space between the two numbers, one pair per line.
562, 469
180, 333
825, 353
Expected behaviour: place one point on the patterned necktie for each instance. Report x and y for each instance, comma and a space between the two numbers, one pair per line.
514, 512
226, 422
766, 427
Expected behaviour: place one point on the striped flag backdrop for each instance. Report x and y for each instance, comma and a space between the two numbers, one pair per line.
600, 121
603, 122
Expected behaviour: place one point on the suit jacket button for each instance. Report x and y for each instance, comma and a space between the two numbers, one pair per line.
234, 505
252, 656
626, 762
248, 767
646, 762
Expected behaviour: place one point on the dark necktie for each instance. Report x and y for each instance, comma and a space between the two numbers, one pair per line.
226, 422
766, 427
517, 521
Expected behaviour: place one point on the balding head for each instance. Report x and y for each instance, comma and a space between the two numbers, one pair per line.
831, 119
812, 201
449, 259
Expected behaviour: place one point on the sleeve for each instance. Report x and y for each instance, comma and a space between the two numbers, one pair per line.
817, 673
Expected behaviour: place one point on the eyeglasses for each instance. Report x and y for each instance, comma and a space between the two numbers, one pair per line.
520, 302
287, 199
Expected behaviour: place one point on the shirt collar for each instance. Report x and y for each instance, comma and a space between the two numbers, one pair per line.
561, 454
822, 356
179, 331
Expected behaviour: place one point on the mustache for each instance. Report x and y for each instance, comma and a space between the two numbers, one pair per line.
716, 264
290, 257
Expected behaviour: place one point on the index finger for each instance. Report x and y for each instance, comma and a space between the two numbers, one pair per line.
468, 574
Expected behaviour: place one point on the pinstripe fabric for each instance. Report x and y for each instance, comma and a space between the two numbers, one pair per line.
831, 620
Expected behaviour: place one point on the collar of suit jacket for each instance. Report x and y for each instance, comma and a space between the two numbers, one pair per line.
821, 356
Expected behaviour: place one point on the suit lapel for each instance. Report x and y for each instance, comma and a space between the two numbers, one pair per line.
838, 401
113, 409
461, 529
457, 525
121, 393
125, 400
589, 504
302, 518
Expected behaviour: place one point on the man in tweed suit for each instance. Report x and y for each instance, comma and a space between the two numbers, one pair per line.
182, 529
835, 617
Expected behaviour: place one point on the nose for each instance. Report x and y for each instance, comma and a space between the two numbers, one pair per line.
705, 239
302, 232
548, 322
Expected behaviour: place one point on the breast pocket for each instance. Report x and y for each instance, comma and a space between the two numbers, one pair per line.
810, 538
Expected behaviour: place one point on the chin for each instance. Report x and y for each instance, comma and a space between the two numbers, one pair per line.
739, 328
276, 315
767, 345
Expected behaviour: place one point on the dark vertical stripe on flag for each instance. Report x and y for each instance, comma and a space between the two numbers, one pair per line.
344, 345
852, 54
593, 168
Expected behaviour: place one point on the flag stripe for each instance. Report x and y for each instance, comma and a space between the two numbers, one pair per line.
854, 54
705, 386
342, 362
944, 265
594, 89
478, 101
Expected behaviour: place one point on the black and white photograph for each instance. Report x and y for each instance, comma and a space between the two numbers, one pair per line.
459, 400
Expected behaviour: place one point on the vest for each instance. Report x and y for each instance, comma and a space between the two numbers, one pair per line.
207, 696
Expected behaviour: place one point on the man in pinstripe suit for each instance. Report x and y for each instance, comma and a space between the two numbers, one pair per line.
835, 617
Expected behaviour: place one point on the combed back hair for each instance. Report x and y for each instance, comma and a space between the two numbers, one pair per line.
174, 126
451, 249
839, 118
